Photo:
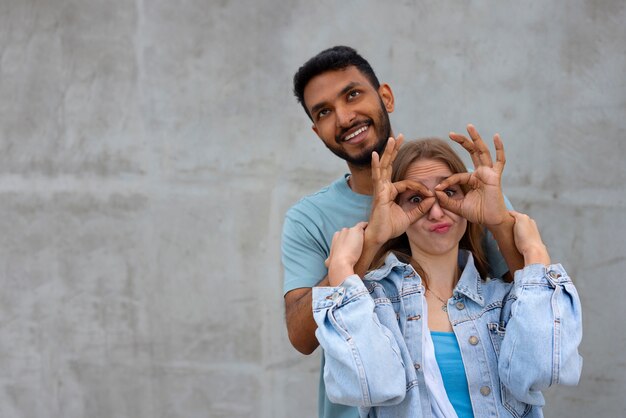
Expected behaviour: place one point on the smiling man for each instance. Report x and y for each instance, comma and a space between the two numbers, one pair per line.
349, 109
349, 114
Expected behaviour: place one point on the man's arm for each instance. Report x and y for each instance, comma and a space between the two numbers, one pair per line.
484, 203
387, 219
370, 249
299, 315
503, 234
303, 262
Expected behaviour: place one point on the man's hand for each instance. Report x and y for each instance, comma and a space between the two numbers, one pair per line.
388, 220
483, 203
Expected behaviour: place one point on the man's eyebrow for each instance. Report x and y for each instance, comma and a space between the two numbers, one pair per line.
348, 87
317, 107
343, 91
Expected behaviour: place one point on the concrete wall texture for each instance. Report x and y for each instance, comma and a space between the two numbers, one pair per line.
149, 150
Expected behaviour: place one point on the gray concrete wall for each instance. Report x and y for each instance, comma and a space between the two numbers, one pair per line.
149, 149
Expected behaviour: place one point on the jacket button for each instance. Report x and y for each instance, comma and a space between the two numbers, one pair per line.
485, 390
417, 366
460, 306
553, 274
473, 340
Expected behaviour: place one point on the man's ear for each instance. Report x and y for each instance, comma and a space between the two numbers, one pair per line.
315, 129
386, 95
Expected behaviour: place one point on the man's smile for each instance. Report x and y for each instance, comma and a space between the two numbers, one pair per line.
356, 136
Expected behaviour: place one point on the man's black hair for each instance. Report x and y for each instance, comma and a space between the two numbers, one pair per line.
335, 58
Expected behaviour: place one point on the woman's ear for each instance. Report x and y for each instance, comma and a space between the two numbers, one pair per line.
386, 95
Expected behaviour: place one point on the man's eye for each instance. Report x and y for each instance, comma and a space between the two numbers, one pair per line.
415, 199
450, 192
353, 94
322, 113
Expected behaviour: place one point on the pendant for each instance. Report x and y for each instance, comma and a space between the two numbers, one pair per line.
444, 308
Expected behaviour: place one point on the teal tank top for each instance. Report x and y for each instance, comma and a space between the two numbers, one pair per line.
448, 355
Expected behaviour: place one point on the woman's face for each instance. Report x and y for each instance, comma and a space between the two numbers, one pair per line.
439, 231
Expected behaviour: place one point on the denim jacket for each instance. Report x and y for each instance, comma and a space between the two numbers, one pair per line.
516, 339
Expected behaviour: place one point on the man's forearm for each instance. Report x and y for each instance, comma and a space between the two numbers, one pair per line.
367, 257
299, 315
503, 234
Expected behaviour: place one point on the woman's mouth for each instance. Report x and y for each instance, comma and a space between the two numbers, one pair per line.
441, 228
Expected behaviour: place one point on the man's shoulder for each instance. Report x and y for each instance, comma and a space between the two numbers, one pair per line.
326, 197
319, 197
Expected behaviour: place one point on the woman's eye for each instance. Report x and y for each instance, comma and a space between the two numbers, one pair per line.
449, 192
454, 192
415, 199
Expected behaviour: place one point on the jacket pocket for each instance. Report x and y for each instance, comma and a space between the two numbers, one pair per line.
496, 334
515, 407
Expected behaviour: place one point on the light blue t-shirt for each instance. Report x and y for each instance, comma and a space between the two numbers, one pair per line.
309, 227
307, 234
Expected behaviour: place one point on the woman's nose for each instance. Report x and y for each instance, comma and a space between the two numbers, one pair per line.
435, 212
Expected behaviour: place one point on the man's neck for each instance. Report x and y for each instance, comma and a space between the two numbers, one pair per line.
361, 180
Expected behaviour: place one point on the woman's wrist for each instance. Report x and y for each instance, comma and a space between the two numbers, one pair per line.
338, 273
537, 254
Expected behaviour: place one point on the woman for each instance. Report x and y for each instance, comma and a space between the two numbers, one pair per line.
427, 333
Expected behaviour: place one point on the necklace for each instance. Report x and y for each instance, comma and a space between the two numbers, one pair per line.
444, 307
420, 271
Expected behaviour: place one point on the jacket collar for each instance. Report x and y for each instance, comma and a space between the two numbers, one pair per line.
391, 263
469, 285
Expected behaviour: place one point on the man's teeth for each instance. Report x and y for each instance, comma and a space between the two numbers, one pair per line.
355, 133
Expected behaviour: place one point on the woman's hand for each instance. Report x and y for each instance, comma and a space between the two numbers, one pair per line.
388, 220
345, 251
483, 203
528, 240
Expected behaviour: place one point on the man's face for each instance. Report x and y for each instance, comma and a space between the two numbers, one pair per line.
349, 114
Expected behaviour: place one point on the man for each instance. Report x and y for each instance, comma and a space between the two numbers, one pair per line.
349, 109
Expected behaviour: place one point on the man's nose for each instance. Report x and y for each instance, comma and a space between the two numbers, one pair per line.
345, 116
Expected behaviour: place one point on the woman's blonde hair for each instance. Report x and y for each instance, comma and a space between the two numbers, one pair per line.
439, 150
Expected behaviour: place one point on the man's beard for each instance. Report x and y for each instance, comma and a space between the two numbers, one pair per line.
364, 159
